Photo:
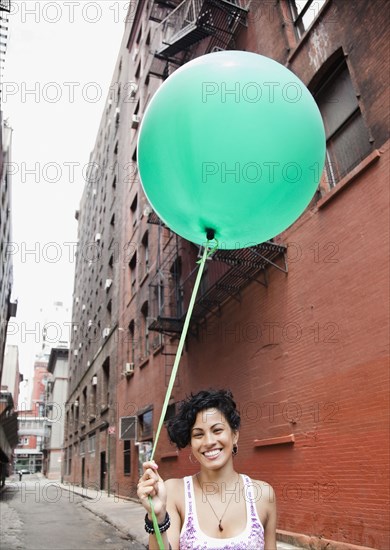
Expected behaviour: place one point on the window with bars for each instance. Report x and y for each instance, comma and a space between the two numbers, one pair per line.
127, 457
347, 138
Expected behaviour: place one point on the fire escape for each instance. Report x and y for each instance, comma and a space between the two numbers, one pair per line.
184, 31
227, 272
215, 22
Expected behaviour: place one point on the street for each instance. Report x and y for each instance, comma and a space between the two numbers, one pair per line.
36, 513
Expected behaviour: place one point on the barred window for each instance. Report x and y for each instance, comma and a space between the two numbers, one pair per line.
347, 138
127, 457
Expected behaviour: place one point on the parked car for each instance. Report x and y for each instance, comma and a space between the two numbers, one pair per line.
24, 471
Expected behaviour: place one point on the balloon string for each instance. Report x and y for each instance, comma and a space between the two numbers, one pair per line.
206, 254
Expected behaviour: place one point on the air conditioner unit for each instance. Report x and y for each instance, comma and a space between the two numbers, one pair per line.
135, 120
89, 323
75, 353
128, 428
77, 300
133, 89
108, 284
106, 332
94, 380
129, 369
117, 111
76, 403
83, 308
98, 237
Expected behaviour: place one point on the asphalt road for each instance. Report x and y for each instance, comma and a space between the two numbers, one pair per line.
36, 513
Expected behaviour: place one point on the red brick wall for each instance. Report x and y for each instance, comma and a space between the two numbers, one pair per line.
309, 356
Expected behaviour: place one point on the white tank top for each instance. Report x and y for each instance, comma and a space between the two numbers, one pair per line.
192, 538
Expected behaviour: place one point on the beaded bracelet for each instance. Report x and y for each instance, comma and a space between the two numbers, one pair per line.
149, 528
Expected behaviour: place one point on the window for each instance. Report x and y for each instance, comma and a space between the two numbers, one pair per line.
134, 210
92, 443
144, 260
347, 138
133, 271
171, 410
303, 13
127, 457
132, 340
144, 330
105, 396
145, 426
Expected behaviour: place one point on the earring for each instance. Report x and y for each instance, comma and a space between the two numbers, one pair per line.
192, 459
235, 449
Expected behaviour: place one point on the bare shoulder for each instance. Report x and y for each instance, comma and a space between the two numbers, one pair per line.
264, 496
175, 491
174, 484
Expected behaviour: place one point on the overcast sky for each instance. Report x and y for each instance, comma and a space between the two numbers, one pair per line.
59, 64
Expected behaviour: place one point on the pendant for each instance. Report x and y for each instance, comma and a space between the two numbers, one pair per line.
220, 526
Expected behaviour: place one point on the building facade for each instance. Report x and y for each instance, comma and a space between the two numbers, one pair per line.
297, 327
29, 450
56, 392
11, 376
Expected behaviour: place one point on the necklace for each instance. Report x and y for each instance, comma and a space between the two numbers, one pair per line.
227, 506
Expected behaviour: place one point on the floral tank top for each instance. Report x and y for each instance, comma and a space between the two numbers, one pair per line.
192, 538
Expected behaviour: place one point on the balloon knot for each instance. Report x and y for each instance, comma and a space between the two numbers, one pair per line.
210, 234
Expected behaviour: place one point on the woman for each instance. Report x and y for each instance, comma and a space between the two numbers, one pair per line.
217, 508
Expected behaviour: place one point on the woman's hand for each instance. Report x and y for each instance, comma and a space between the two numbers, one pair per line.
151, 485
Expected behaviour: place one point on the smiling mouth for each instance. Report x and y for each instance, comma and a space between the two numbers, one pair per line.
212, 454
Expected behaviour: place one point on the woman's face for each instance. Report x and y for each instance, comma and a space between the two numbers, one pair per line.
212, 438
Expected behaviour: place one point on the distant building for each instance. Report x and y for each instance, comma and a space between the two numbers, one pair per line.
11, 377
7, 307
9, 397
56, 393
29, 451
5, 8
297, 326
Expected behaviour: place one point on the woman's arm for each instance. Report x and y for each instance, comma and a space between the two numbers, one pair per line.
163, 497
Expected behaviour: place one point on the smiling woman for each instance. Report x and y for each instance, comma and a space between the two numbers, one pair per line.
199, 512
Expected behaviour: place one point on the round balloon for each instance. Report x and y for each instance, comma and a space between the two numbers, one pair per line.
232, 145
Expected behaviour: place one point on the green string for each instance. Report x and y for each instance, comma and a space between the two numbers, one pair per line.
206, 254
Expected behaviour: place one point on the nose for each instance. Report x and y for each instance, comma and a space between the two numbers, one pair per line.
208, 439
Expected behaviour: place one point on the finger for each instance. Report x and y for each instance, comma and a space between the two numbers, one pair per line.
146, 492
150, 464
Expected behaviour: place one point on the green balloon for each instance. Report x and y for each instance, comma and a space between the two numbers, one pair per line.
231, 144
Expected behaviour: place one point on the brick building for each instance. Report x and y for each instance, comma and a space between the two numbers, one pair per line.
306, 351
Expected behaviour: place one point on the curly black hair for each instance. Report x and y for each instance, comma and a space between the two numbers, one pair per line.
179, 427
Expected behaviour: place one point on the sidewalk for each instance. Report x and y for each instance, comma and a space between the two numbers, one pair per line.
126, 515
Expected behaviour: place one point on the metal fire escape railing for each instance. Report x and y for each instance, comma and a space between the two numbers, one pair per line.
5, 5
225, 275
191, 22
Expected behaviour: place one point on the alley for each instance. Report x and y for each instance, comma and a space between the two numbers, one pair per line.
37, 513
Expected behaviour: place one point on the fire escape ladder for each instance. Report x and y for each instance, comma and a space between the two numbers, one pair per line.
165, 293
169, 352
189, 23
226, 273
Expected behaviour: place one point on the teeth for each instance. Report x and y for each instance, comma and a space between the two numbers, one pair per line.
212, 453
